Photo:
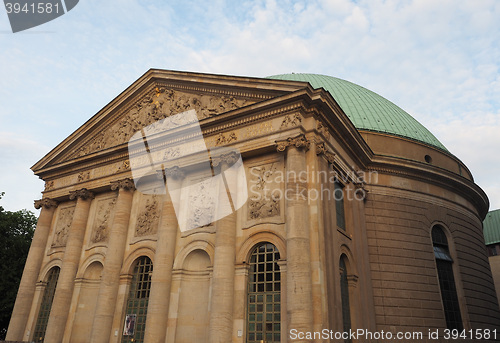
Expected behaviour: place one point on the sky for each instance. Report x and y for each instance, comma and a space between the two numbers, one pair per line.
438, 60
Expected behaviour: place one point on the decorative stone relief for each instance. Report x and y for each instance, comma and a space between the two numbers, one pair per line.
49, 185
63, 224
322, 150
322, 129
83, 176
201, 205
225, 138
148, 218
264, 200
158, 104
300, 142
125, 166
101, 223
291, 120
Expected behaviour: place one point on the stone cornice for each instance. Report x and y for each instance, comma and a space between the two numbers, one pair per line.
83, 194
299, 142
437, 176
125, 184
46, 203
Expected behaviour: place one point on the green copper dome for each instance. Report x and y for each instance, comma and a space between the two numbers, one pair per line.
368, 110
491, 227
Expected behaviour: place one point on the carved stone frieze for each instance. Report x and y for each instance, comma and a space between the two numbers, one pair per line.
223, 138
291, 120
83, 194
125, 166
300, 142
264, 201
101, 222
46, 202
83, 176
62, 229
148, 218
158, 104
126, 184
49, 185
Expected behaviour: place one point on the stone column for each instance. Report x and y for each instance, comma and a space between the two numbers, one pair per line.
69, 268
299, 283
108, 291
27, 286
161, 280
222, 297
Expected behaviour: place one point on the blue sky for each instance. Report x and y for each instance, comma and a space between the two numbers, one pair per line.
438, 60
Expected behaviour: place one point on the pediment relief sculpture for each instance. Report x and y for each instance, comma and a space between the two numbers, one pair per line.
158, 104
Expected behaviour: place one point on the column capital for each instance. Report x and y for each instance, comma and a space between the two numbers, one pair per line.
175, 173
321, 149
126, 184
83, 194
46, 203
229, 158
300, 142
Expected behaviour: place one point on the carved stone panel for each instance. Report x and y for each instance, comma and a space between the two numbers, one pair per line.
64, 220
100, 231
148, 217
264, 191
158, 104
201, 205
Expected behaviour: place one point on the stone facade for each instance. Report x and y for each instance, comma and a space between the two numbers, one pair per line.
95, 225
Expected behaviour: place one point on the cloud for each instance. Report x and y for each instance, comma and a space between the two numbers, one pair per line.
21, 187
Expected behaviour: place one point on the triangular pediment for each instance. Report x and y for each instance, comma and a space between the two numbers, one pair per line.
157, 95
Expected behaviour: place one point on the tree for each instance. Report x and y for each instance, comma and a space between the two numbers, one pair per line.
16, 232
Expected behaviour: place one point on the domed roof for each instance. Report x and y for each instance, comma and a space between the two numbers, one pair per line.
491, 227
368, 110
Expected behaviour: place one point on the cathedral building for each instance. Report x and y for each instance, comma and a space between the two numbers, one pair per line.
294, 208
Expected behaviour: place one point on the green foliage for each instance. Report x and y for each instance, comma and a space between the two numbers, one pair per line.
16, 232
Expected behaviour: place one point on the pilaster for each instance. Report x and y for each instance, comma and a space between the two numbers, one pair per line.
222, 297
24, 298
299, 283
161, 280
64, 291
108, 291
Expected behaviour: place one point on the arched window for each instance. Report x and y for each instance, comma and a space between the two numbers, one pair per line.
444, 264
46, 305
137, 302
339, 204
264, 295
344, 296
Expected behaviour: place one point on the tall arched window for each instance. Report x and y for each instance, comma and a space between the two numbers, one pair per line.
264, 295
444, 264
46, 305
344, 295
137, 302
